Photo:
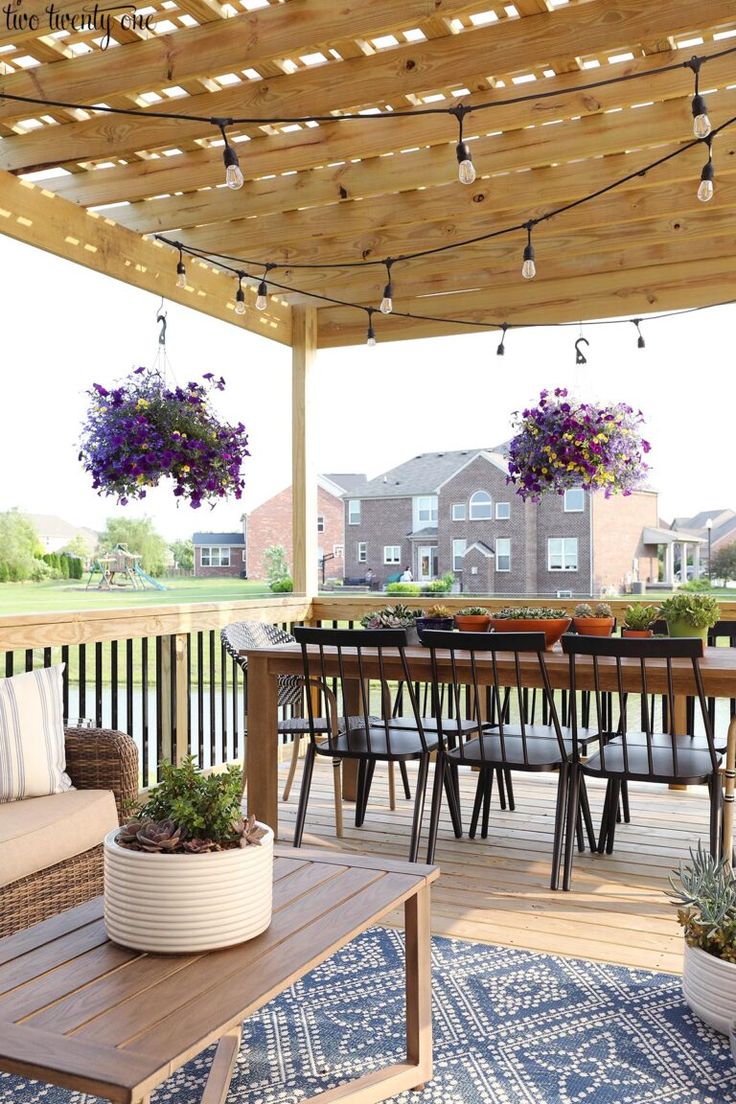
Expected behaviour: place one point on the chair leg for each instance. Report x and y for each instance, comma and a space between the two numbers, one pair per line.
365, 778
296, 747
625, 801
605, 818
337, 786
487, 793
304, 795
476, 805
434, 816
573, 802
391, 787
416, 830
501, 788
716, 795
405, 779
615, 796
560, 811
509, 790
587, 818
453, 800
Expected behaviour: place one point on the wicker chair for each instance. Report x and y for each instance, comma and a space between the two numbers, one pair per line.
96, 759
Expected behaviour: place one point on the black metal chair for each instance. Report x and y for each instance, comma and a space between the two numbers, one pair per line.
506, 744
361, 735
640, 754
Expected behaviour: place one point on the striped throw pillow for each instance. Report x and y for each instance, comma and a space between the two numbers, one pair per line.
32, 759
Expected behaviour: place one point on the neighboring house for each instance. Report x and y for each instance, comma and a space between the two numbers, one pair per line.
55, 533
270, 524
219, 555
720, 532
455, 511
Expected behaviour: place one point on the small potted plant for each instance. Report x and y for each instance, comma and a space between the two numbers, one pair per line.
639, 620
189, 872
704, 891
435, 617
593, 620
473, 619
552, 622
690, 614
393, 617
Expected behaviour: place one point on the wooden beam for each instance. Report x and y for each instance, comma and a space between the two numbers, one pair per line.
303, 468
38, 217
608, 295
366, 81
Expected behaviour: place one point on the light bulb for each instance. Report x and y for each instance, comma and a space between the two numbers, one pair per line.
705, 190
701, 126
528, 268
181, 275
240, 301
466, 168
262, 297
387, 303
371, 340
233, 177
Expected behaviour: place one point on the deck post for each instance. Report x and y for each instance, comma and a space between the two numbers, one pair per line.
304, 473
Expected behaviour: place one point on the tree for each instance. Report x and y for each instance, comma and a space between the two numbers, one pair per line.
183, 553
723, 565
139, 536
275, 563
80, 546
19, 546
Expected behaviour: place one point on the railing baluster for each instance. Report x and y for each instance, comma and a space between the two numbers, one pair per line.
82, 684
223, 704
236, 713
144, 712
129, 718
200, 698
213, 711
9, 659
64, 681
159, 703
98, 684
29, 659
114, 683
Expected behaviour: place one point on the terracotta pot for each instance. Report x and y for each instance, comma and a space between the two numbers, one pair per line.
637, 632
553, 628
593, 626
472, 622
709, 988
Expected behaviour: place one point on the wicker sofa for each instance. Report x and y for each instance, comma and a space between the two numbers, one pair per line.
97, 760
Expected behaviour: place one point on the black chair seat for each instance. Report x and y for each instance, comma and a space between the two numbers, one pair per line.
430, 724
693, 762
542, 749
404, 744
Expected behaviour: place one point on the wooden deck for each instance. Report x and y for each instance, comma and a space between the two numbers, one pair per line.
497, 890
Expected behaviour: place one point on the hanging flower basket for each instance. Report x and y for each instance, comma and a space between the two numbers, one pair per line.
143, 431
561, 443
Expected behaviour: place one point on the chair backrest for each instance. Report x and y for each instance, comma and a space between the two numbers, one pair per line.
243, 636
622, 669
470, 660
348, 660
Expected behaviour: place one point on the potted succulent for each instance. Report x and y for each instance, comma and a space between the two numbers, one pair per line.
435, 617
704, 891
593, 620
473, 619
552, 622
690, 614
393, 617
189, 872
639, 620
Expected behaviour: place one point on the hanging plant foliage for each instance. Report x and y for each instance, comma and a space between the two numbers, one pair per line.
144, 431
562, 443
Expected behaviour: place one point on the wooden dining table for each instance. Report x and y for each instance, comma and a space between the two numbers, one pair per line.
718, 668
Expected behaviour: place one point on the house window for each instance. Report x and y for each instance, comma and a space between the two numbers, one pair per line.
427, 510
503, 554
480, 506
503, 511
353, 511
215, 557
574, 501
392, 553
562, 554
458, 511
320, 523
458, 553
338, 551
362, 552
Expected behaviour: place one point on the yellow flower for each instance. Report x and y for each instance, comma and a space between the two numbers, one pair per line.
185, 468
142, 404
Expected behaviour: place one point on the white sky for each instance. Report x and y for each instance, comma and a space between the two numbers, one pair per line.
64, 327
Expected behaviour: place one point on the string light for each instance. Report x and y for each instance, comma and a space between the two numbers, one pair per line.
640, 343
262, 297
466, 168
529, 268
233, 173
181, 272
705, 188
240, 295
701, 122
370, 337
501, 351
387, 303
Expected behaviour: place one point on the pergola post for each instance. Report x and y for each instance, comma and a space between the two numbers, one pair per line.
304, 473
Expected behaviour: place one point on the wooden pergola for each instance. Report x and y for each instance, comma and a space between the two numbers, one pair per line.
95, 187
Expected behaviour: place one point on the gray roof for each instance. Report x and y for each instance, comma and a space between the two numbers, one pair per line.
423, 474
428, 533
349, 481
652, 535
218, 538
724, 524
481, 546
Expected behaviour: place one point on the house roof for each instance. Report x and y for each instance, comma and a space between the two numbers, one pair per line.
424, 474
218, 538
653, 535
480, 546
50, 525
348, 482
724, 524
428, 533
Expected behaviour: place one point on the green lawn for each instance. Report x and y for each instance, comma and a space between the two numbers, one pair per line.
66, 595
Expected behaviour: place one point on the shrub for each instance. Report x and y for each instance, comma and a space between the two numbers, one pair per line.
41, 571
696, 585
409, 590
443, 585
275, 563
283, 586
700, 611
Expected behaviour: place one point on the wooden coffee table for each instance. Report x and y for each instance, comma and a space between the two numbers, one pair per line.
79, 1011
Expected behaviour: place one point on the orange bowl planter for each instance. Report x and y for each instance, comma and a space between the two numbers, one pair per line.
553, 628
593, 626
472, 622
637, 632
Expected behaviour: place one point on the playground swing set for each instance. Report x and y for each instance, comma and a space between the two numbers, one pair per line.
121, 568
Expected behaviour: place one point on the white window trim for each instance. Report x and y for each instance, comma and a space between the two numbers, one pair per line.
508, 515
489, 504
459, 506
362, 554
576, 510
220, 550
351, 519
562, 567
506, 541
455, 556
395, 550
338, 551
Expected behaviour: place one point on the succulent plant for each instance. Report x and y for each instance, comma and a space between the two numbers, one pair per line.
162, 835
437, 611
390, 617
602, 609
583, 609
700, 611
640, 617
529, 613
473, 611
705, 892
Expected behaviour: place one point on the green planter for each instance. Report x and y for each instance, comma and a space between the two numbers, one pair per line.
684, 628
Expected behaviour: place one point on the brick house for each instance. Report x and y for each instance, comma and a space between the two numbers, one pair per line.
219, 555
270, 524
454, 511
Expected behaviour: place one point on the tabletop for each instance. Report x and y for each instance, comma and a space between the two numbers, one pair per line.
81, 1012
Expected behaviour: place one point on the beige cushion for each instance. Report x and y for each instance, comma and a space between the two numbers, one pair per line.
43, 831
32, 735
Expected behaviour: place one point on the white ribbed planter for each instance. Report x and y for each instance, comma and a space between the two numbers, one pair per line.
172, 904
709, 988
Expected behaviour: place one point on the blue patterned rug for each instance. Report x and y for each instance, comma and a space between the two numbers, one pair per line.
510, 1027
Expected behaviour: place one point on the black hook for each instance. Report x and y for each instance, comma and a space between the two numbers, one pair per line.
580, 357
162, 334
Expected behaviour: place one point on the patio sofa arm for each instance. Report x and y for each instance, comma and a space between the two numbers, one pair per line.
103, 759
